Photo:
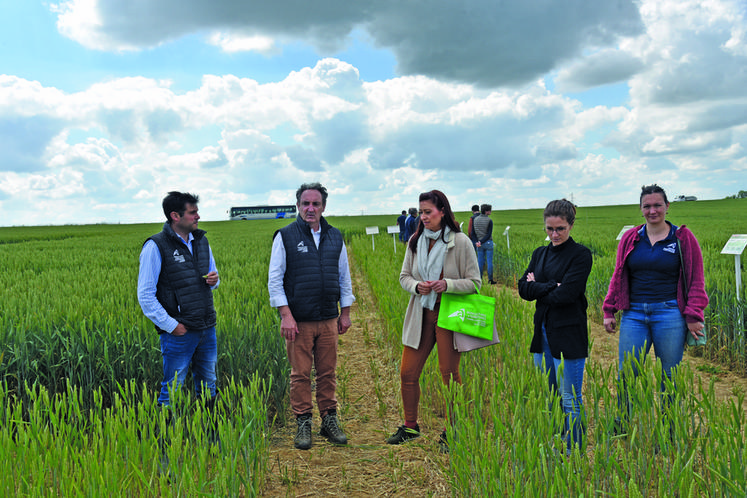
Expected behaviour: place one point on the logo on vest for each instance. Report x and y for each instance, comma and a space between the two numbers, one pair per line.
670, 247
178, 257
301, 247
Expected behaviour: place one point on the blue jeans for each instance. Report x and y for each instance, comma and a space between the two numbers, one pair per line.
658, 324
566, 377
646, 324
198, 348
485, 251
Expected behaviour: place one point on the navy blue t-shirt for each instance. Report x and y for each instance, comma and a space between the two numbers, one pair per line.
654, 271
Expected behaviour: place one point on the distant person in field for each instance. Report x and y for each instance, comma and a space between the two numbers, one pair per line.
556, 279
308, 277
401, 224
482, 237
659, 286
411, 223
439, 258
475, 214
175, 290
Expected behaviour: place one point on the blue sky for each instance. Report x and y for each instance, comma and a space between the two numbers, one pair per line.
105, 106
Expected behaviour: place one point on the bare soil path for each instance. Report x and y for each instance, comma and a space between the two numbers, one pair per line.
369, 408
368, 397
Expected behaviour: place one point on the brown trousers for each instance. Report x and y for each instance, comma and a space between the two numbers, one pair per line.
316, 343
413, 361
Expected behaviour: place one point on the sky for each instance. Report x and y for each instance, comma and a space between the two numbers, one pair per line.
105, 106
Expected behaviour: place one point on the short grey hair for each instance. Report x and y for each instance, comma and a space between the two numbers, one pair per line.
312, 186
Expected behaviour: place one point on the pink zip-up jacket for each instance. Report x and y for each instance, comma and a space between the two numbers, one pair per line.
692, 301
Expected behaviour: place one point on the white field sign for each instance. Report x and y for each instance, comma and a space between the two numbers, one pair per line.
394, 230
372, 231
735, 245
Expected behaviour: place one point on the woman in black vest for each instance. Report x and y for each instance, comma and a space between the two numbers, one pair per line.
556, 280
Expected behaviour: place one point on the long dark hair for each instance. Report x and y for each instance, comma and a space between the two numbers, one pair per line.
439, 200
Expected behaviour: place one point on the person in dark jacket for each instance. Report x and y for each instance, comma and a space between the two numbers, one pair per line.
175, 291
475, 214
556, 280
411, 223
401, 219
308, 277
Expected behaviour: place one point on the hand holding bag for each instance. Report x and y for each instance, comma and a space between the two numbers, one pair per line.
700, 341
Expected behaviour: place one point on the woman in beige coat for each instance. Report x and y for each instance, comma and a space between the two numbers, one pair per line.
439, 258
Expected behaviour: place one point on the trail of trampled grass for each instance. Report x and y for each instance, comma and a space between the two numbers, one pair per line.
369, 407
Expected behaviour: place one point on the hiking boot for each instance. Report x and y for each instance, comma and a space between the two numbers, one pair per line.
213, 434
331, 429
619, 427
404, 434
303, 436
443, 442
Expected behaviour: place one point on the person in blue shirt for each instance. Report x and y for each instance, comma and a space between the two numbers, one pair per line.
411, 223
175, 291
401, 223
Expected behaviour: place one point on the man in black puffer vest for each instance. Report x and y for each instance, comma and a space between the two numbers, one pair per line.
175, 290
308, 277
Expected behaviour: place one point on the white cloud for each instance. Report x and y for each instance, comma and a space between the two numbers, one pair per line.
232, 42
478, 112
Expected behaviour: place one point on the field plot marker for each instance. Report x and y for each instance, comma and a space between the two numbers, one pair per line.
508, 242
735, 245
394, 230
372, 231
624, 229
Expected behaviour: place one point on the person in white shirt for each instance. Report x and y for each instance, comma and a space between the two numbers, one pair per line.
308, 278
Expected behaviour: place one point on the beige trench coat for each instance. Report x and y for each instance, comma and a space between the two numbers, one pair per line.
460, 273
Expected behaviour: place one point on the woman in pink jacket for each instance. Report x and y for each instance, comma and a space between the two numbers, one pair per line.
659, 286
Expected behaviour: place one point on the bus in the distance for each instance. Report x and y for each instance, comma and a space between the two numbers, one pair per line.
262, 212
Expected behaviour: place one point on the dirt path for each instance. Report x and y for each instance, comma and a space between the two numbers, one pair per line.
368, 396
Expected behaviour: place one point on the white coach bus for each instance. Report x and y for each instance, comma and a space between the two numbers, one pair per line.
262, 212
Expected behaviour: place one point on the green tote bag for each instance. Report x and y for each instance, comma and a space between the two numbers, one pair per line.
471, 314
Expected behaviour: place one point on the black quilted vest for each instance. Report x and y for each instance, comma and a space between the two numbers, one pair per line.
312, 276
181, 290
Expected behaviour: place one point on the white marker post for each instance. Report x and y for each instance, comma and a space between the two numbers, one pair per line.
624, 229
394, 230
735, 245
372, 231
508, 242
